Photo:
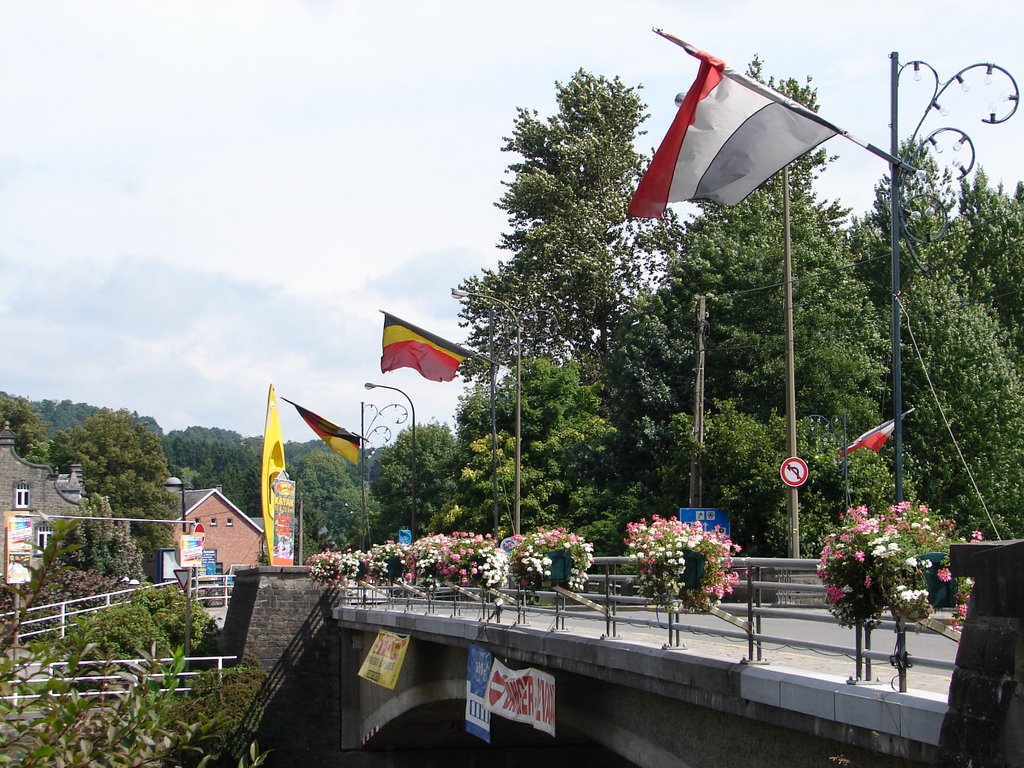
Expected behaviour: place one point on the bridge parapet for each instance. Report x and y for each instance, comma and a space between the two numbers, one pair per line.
655, 706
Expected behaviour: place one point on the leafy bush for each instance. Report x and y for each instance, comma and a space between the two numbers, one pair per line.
120, 632
230, 697
154, 619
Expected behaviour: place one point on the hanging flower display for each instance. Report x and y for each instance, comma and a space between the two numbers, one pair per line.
424, 560
531, 558
881, 561
474, 560
331, 568
670, 556
387, 562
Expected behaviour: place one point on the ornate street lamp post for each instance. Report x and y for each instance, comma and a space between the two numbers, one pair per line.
368, 430
369, 385
921, 217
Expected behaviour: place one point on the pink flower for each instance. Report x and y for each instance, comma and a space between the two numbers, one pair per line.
867, 582
977, 536
859, 556
944, 574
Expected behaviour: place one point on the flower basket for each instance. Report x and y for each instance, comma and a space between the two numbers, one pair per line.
694, 566
472, 560
394, 568
330, 568
386, 562
561, 566
869, 565
546, 556
681, 566
938, 580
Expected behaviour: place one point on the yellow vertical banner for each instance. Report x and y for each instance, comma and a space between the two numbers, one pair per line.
383, 663
272, 466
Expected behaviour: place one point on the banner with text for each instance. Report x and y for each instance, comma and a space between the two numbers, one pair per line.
523, 695
383, 663
17, 548
282, 498
478, 671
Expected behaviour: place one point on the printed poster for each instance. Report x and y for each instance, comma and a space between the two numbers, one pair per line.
282, 498
383, 664
17, 548
478, 672
190, 551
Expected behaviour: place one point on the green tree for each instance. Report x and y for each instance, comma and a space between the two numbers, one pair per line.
436, 465
563, 437
211, 457
574, 252
329, 485
104, 546
123, 461
31, 438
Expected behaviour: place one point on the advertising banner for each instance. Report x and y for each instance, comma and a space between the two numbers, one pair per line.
523, 695
383, 664
190, 551
282, 496
478, 671
17, 548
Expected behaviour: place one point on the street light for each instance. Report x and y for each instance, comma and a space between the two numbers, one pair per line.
514, 314
174, 485
369, 385
915, 218
368, 431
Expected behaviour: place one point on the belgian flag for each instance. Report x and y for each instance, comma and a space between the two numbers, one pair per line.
406, 346
340, 439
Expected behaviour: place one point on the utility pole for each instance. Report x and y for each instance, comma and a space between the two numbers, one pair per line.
792, 494
696, 482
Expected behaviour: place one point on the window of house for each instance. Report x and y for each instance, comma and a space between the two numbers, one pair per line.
43, 534
230, 522
22, 496
213, 522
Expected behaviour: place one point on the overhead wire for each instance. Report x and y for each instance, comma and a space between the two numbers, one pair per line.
945, 420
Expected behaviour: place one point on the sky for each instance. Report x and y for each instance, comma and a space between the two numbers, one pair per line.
202, 198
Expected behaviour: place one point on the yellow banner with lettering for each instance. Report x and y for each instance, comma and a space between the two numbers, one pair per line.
383, 663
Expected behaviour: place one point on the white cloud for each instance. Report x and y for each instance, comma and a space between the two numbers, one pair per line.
198, 199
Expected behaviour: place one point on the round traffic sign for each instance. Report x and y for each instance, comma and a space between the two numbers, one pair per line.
793, 471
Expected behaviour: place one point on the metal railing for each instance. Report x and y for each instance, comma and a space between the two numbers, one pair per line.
769, 588
118, 678
210, 591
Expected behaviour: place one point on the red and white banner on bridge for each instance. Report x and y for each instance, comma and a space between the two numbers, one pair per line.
523, 695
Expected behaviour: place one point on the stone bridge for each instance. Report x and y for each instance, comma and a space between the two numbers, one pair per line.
618, 703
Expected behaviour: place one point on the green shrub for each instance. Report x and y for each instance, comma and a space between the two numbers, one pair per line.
231, 699
122, 631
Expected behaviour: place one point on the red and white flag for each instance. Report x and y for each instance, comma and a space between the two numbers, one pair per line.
873, 439
730, 135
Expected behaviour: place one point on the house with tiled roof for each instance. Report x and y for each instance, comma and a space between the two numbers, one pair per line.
36, 489
235, 539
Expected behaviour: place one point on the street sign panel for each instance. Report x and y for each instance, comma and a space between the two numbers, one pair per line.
181, 574
709, 517
793, 471
199, 531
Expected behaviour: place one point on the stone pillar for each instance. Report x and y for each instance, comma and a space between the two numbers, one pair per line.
984, 727
279, 617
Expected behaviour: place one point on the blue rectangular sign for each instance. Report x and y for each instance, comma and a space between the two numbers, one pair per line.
478, 673
709, 517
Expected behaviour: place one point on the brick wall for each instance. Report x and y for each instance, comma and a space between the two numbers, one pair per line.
279, 617
228, 531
